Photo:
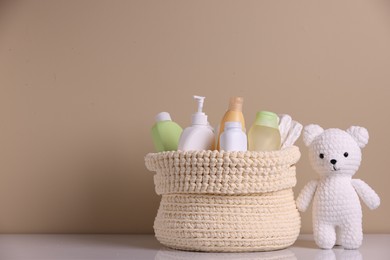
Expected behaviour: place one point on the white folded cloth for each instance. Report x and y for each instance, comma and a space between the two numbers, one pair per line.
289, 129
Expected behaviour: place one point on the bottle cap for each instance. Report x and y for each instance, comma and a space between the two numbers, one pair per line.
233, 124
199, 118
266, 118
235, 103
163, 116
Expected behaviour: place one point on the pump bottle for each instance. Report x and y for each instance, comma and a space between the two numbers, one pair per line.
200, 135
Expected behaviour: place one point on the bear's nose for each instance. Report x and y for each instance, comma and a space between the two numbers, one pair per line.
333, 161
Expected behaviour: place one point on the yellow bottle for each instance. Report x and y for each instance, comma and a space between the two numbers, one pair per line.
234, 114
264, 134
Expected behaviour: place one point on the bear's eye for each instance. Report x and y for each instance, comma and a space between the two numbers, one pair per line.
345, 154
321, 155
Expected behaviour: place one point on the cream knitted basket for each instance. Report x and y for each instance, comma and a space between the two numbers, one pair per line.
226, 201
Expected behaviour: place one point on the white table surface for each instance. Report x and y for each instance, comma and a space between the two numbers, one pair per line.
42, 247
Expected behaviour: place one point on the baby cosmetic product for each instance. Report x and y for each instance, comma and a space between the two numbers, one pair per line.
200, 135
233, 138
165, 133
234, 113
264, 134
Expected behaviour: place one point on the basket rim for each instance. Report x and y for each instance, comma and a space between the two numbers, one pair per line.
287, 156
215, 172
216, 153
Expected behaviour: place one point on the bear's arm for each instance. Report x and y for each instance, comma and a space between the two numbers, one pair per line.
306, 195
366, 193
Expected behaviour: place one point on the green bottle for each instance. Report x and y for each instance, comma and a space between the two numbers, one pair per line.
165, 133
264, 134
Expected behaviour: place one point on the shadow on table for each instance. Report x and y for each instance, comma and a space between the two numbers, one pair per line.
336, 253
171, 254
305, 244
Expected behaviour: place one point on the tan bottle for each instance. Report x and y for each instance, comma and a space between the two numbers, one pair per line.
264, 134
234, 114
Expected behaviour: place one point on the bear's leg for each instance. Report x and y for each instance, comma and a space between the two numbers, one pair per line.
324, 235
351, 235
338, 238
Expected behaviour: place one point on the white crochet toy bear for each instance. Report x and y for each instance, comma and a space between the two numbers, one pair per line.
337, 215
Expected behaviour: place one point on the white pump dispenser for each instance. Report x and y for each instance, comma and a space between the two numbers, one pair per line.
199, 118
199, 136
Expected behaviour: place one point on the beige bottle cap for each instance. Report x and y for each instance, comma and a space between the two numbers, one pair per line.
235, 103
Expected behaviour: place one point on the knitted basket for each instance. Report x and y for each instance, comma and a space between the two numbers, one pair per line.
226, 201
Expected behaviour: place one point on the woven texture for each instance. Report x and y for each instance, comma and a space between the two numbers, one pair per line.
337, 215
226, 201
216, 172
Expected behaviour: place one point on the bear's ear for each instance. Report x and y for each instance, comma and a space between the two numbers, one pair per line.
360, 134
310, 132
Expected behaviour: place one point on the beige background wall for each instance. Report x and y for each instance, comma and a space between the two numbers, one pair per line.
81, 82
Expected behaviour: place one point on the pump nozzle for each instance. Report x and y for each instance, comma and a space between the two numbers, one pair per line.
200, 101
199, 118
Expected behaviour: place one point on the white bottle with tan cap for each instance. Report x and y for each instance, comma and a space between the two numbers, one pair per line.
233, 114
199, 136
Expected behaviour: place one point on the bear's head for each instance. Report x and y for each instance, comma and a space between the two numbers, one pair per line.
335, 151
